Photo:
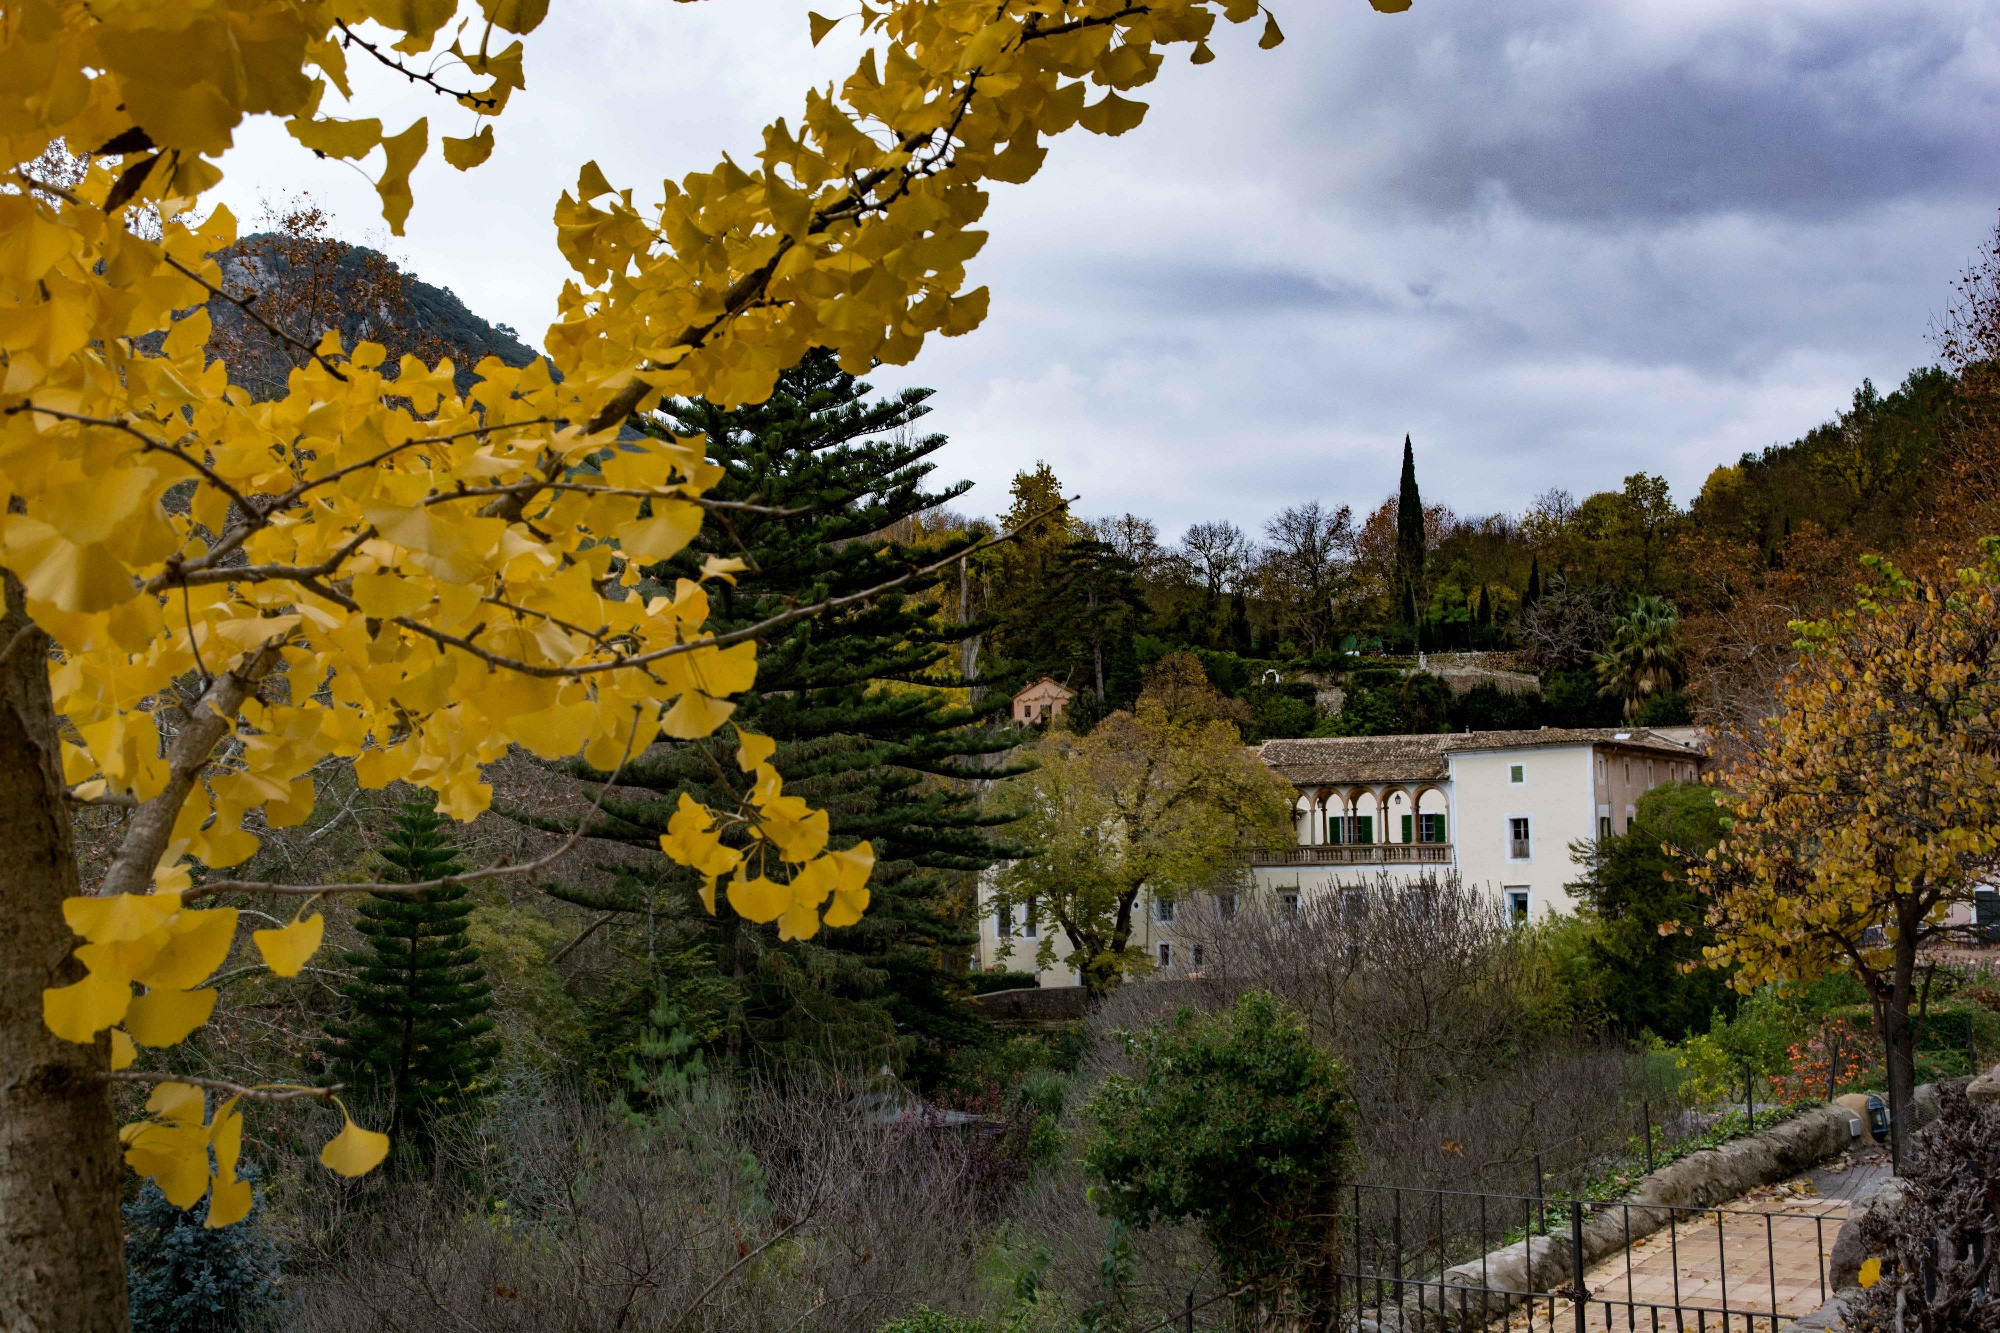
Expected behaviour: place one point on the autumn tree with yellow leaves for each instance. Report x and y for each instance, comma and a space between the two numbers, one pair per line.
206, 595
1870, 811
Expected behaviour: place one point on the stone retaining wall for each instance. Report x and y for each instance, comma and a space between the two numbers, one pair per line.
1700, 1180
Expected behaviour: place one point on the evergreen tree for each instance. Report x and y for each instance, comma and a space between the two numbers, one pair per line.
871, 725
417, 1030
1534, 593
1409, 541
185, 1277
1077, 625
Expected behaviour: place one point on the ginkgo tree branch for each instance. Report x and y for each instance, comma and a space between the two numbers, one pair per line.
349, 37
620, 662
147, 442
208, 567
216, 886
751, 288
249, 1092
212, 717
248, 305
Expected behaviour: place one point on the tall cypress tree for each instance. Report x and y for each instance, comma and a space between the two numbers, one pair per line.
1409, 542
417, 1029
1534, 582
871, 725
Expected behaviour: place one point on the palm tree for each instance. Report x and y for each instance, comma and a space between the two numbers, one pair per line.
1642, 657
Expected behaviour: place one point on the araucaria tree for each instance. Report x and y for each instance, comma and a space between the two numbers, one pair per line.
378, 568
417, 1031
1870, 808
869, 724
1163, 800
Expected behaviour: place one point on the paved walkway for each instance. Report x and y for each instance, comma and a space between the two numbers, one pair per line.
1763, 1265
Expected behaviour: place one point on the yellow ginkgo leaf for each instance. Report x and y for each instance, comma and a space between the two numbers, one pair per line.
119, 916
846, 907
196, 945
229, 1202
855, 865
759, 899
798, 923
165, 1017
123, 1051
285, 950
354, 1151
753, 750
467, 153
1871, 1272
182, 1103
820, 26
694, 715
79, 1012
175, 1156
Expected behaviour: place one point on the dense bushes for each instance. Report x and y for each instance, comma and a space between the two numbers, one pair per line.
1236, 1122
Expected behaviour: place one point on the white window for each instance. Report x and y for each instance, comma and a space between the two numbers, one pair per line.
1225, 906
1517, 904
1003, 919
1519, 845
1601, 773
1030, 927
1288, 906
1163, 910
1517, 774
1166, 955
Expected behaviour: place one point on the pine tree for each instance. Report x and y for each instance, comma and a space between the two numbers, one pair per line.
869, 723
1409, 542
417, 1030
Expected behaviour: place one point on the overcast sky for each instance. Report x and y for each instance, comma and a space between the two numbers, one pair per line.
1556, 241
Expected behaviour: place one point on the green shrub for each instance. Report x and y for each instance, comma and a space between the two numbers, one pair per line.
185, 1278
1235, 1122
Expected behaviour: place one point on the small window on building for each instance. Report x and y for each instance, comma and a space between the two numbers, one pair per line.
1200, 955
1163, 910
1166, 955
1517, 838
1288, 906
1517, 905
1602, 775
1604, 826
1030, 926
1517, 774
1003, 920
1430, 828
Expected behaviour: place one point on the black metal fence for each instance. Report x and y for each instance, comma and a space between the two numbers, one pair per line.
1455, 1260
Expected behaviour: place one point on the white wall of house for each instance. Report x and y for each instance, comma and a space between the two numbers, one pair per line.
1019, 948
1550, 787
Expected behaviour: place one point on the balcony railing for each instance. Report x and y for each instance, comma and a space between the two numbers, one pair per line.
1356, 854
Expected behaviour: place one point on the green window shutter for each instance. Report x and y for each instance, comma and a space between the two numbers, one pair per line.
1364, 828
1407, 821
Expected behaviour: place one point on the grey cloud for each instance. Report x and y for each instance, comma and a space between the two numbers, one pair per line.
1811, 112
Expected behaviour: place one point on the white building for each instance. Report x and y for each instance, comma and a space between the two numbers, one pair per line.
1501, 808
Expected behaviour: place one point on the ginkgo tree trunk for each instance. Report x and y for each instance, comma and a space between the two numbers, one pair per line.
212, 595
1868, 813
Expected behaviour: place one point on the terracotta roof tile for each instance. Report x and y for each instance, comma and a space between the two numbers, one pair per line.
1412, 758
